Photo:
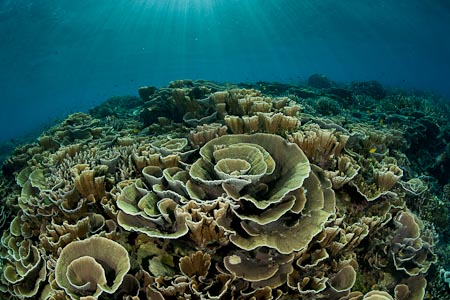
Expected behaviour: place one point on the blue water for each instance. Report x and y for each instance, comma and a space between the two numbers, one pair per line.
62, 56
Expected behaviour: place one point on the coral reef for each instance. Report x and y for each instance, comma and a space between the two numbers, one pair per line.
373, 89
206, 191
118, 106
319, 81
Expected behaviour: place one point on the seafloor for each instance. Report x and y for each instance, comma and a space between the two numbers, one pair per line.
257, 191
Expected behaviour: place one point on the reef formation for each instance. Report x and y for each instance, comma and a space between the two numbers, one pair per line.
207, 191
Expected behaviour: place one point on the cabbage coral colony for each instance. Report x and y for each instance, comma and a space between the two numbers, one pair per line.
202, 191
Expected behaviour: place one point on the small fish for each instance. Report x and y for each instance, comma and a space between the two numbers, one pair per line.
381, 121
136, 130
372, 150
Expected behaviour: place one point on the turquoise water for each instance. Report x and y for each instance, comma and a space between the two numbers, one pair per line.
64, 56
201, 149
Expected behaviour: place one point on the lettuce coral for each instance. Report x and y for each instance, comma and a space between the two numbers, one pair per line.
82, 267
227, 197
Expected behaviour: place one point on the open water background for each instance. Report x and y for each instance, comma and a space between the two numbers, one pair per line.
63, 56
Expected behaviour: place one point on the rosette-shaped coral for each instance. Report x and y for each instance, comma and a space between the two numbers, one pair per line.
414, 186
411, 249
170, 146
265, 179
83, 267
212, 213
377, 179
34, 184
244, 165
78, 127
24, 269
151, 210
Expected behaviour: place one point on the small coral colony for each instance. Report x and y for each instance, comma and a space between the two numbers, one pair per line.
207, 191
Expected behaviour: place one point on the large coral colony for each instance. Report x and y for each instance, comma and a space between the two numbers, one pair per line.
207, 191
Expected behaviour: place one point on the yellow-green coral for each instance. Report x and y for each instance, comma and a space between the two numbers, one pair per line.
217, 213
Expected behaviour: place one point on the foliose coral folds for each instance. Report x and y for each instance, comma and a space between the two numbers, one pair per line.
238, 202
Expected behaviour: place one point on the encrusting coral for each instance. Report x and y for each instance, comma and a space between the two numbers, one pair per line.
234, 199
